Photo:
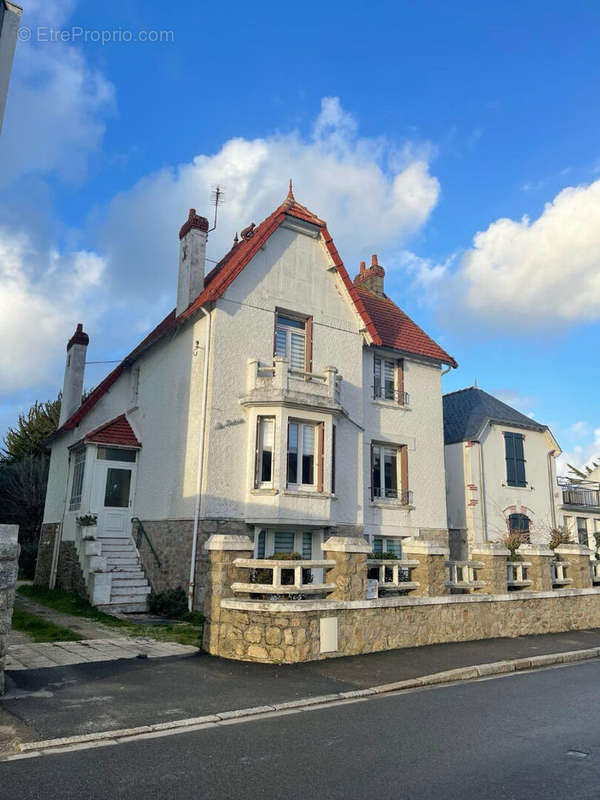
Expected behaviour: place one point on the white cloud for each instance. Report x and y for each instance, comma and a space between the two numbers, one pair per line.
373, 193
580, 455
56, 105
515, 399
425, 272
544, 273
42, 295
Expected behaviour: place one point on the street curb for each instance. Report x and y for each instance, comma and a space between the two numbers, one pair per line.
472, 672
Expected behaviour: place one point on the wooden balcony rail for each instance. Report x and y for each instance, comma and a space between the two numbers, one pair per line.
516, 574
394, 574
299, 585
463, 574
559, 574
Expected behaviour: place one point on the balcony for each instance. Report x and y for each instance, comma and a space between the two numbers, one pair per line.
276, 383
581, 495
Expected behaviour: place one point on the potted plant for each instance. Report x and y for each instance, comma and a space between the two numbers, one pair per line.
558, 536
512, 541
88, 521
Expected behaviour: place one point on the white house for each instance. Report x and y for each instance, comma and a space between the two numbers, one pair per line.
279, 399
500, 472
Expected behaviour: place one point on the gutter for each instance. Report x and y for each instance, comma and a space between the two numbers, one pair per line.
200, 468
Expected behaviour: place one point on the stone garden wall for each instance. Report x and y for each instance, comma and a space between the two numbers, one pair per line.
9, 556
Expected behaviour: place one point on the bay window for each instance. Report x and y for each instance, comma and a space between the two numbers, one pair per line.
305, 455
265, 440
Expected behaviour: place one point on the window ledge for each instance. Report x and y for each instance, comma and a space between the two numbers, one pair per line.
264, 491
510, 486
308, 493
391, 504
390, 404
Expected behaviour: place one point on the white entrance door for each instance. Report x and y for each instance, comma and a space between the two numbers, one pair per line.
114, 484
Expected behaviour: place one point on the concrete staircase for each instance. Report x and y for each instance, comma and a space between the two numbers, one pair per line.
129, 586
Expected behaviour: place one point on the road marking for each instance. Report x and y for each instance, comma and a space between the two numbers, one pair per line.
498, 669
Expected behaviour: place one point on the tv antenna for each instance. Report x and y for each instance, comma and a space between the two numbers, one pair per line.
217, 197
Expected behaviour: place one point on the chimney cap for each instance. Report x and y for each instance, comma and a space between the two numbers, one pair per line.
193, 221
79, 337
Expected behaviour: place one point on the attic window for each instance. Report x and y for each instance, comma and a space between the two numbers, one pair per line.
293, 340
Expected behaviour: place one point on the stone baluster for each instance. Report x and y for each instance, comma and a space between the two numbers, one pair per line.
331, 379
350, 572
9, 555
539, 573
222, 551
432, 572
251, 374
493, 556
578, 556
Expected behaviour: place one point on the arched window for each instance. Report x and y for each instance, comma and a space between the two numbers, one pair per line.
519, 523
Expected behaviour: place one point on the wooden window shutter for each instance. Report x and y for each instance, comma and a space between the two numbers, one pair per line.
275, 334
308, 330
333, 446
257, 455
372, 477
321, 453
404, 471
400, 381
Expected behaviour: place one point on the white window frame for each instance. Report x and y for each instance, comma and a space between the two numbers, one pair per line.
379, 385
382, 497
78, 477
298, 485
260, 449
288, 331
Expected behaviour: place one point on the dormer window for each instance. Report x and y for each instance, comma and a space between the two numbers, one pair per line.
293, 336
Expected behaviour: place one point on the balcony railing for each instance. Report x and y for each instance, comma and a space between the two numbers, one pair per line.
463, 575
393, 574
297, 575
389, 393
585, 494
516, 575
278, 381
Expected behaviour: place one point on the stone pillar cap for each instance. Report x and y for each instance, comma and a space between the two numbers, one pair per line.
9, 534
346, 544
490, 548
425, 547
535, 550
221, 541
574, 549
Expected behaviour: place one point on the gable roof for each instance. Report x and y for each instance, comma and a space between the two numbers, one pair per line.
467, 411
385, 324
117, 431
397, 330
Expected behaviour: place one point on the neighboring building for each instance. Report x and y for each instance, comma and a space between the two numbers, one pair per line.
580, 507
280, 399
10, 15
500, 472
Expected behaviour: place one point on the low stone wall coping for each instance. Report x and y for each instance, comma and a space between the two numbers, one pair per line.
535, 550
574, 549
346, 544
220, 541
425, 547
490, 548
286, 607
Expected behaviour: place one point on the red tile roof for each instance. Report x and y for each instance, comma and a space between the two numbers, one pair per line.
384, 322
117, 431
398, 331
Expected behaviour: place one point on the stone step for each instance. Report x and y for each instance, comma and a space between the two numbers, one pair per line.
128, 574
114, 539
140, 581
118, 548
125, 607
132, 559
129, 591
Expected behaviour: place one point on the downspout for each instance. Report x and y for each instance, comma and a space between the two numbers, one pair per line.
191, 584
482, 492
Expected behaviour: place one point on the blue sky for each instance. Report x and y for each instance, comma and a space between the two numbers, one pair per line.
458, 141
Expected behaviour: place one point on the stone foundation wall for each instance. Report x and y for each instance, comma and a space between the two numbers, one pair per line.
43, 564
9, 557
172, 540
69, 576
260, 631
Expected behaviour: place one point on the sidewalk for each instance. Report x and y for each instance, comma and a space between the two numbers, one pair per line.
93, 697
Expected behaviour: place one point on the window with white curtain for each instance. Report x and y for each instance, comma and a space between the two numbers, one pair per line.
78, 473
384, 378
290, 341
301, 460
264, 451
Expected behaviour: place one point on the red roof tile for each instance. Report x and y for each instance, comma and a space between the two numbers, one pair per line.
384, 322
117, 431
396, 330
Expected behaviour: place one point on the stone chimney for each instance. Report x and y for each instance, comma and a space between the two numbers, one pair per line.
371, 278
192, 258
74, 371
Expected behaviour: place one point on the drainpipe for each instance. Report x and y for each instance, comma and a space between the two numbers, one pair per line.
191, 584
482, 492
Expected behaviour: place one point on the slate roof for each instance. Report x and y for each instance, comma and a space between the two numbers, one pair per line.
385, 323
468, 410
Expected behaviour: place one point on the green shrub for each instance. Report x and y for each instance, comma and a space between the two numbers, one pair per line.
171, 603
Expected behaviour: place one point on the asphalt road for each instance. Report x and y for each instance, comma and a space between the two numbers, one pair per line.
532, 735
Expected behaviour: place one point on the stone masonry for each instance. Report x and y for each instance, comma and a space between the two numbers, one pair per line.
578, 557
432, 573
9, 556
539, 572
350, 572
493, 556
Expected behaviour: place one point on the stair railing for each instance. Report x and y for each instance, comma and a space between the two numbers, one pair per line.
140, 535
